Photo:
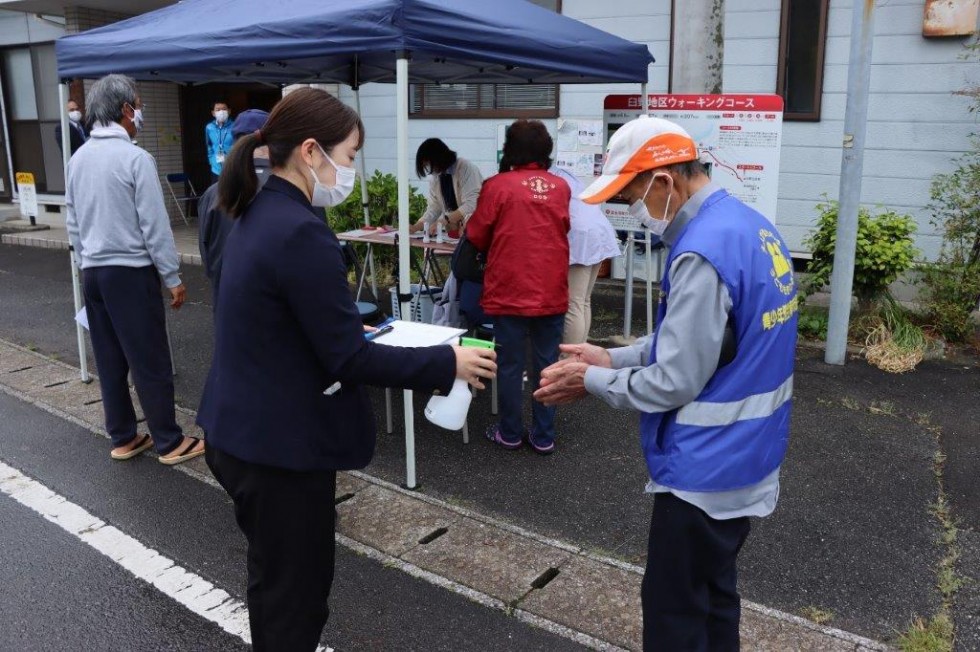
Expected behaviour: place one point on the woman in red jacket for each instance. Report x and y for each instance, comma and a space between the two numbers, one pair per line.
522, 221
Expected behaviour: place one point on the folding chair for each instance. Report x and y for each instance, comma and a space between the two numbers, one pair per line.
187, 196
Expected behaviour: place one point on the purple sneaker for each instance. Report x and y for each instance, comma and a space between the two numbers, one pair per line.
540, 449
493, 435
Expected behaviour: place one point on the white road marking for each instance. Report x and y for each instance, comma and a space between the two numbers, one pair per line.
189, 589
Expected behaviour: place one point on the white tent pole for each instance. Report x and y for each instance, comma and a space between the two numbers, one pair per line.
75, 281
362, 164
404, 263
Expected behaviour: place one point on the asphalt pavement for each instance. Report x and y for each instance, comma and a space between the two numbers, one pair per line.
59, 593
853, 533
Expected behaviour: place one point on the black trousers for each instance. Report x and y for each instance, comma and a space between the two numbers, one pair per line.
288, 518
690, 599
129, 333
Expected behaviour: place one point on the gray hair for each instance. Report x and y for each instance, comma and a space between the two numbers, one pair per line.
107, 97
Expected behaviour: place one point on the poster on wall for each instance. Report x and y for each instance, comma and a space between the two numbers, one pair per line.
738, 137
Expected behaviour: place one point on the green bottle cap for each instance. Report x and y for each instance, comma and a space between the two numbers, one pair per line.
478, 343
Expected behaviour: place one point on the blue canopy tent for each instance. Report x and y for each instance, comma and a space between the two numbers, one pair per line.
355, 42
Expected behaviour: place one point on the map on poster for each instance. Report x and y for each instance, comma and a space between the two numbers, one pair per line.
738, 137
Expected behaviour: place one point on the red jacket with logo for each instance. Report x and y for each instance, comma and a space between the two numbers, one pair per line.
522, 221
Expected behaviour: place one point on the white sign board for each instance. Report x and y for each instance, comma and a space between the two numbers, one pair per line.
738, 137
27, 193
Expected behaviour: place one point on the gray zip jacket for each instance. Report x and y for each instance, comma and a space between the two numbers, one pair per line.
116, 213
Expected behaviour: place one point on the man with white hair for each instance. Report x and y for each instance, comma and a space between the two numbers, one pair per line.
119, 227
713, 383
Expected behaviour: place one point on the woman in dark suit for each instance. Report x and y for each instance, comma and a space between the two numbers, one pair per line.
286, 329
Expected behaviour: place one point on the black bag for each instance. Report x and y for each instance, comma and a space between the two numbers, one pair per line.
467, 262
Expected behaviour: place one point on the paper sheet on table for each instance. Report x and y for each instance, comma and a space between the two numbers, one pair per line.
82, 318
357, 233
411, 333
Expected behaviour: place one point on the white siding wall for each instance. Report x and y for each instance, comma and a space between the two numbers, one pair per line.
916, 127
645, 21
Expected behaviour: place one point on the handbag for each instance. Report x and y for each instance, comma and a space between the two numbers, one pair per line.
468, 263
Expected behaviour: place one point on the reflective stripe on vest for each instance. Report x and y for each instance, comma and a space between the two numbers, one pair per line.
756, 406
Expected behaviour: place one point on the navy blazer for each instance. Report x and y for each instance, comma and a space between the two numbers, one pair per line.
286, 328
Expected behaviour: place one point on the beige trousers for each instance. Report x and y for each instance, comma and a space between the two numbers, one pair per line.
578, 319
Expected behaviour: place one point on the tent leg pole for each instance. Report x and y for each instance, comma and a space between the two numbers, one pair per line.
643, 94
76, 285
362, 165
628, 308
404, 261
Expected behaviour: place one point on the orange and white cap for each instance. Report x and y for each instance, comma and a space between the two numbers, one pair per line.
639, 145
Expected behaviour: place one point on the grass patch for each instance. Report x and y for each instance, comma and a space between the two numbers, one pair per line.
817, 615
850, 403
882, 407
936, 635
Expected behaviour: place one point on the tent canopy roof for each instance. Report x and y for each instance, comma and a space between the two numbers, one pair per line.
353, 42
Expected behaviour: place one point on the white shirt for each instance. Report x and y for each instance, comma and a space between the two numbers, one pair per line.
592, 238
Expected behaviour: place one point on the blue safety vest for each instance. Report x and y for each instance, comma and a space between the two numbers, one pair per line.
735, 432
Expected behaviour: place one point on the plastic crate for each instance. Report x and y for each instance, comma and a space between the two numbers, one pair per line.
421, 305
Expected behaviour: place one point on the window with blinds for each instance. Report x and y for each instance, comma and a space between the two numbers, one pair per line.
486, 100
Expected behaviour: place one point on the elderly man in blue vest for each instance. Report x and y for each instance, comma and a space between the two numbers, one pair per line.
713, 383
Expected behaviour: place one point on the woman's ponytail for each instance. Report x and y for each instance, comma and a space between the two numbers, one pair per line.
238, 182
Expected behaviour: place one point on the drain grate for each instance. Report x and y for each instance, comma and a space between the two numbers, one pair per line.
17, 371
98, 400
432, 536
58, 384
545, 577
342, 498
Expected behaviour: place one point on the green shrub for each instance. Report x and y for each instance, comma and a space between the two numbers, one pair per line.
382, 208
812, 323
884, 250
953, 281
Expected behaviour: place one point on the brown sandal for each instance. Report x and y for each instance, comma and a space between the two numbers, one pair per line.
187, 454
141, 445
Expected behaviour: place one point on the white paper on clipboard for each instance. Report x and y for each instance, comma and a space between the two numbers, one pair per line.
411, 333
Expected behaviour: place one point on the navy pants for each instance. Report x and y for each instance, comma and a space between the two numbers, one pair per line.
129, 333
690, 599
512, 334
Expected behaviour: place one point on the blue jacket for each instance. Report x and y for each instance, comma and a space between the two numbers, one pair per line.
736, 431
219, 141
286, 328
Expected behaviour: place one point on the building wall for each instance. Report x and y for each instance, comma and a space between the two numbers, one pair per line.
916, 126
161, 135
646, 21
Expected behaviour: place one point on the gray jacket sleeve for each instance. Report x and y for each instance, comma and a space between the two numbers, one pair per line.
154, 220
71, 219
688, 346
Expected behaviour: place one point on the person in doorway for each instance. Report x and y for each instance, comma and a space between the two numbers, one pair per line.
118, 225
454, 187
285, 406
215, 223
218, 137
77, 134
591, 240
522, 222
713, 383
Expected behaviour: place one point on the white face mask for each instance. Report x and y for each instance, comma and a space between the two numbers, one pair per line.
638, 209
75, 116
137, 119
325, 196
221, 116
